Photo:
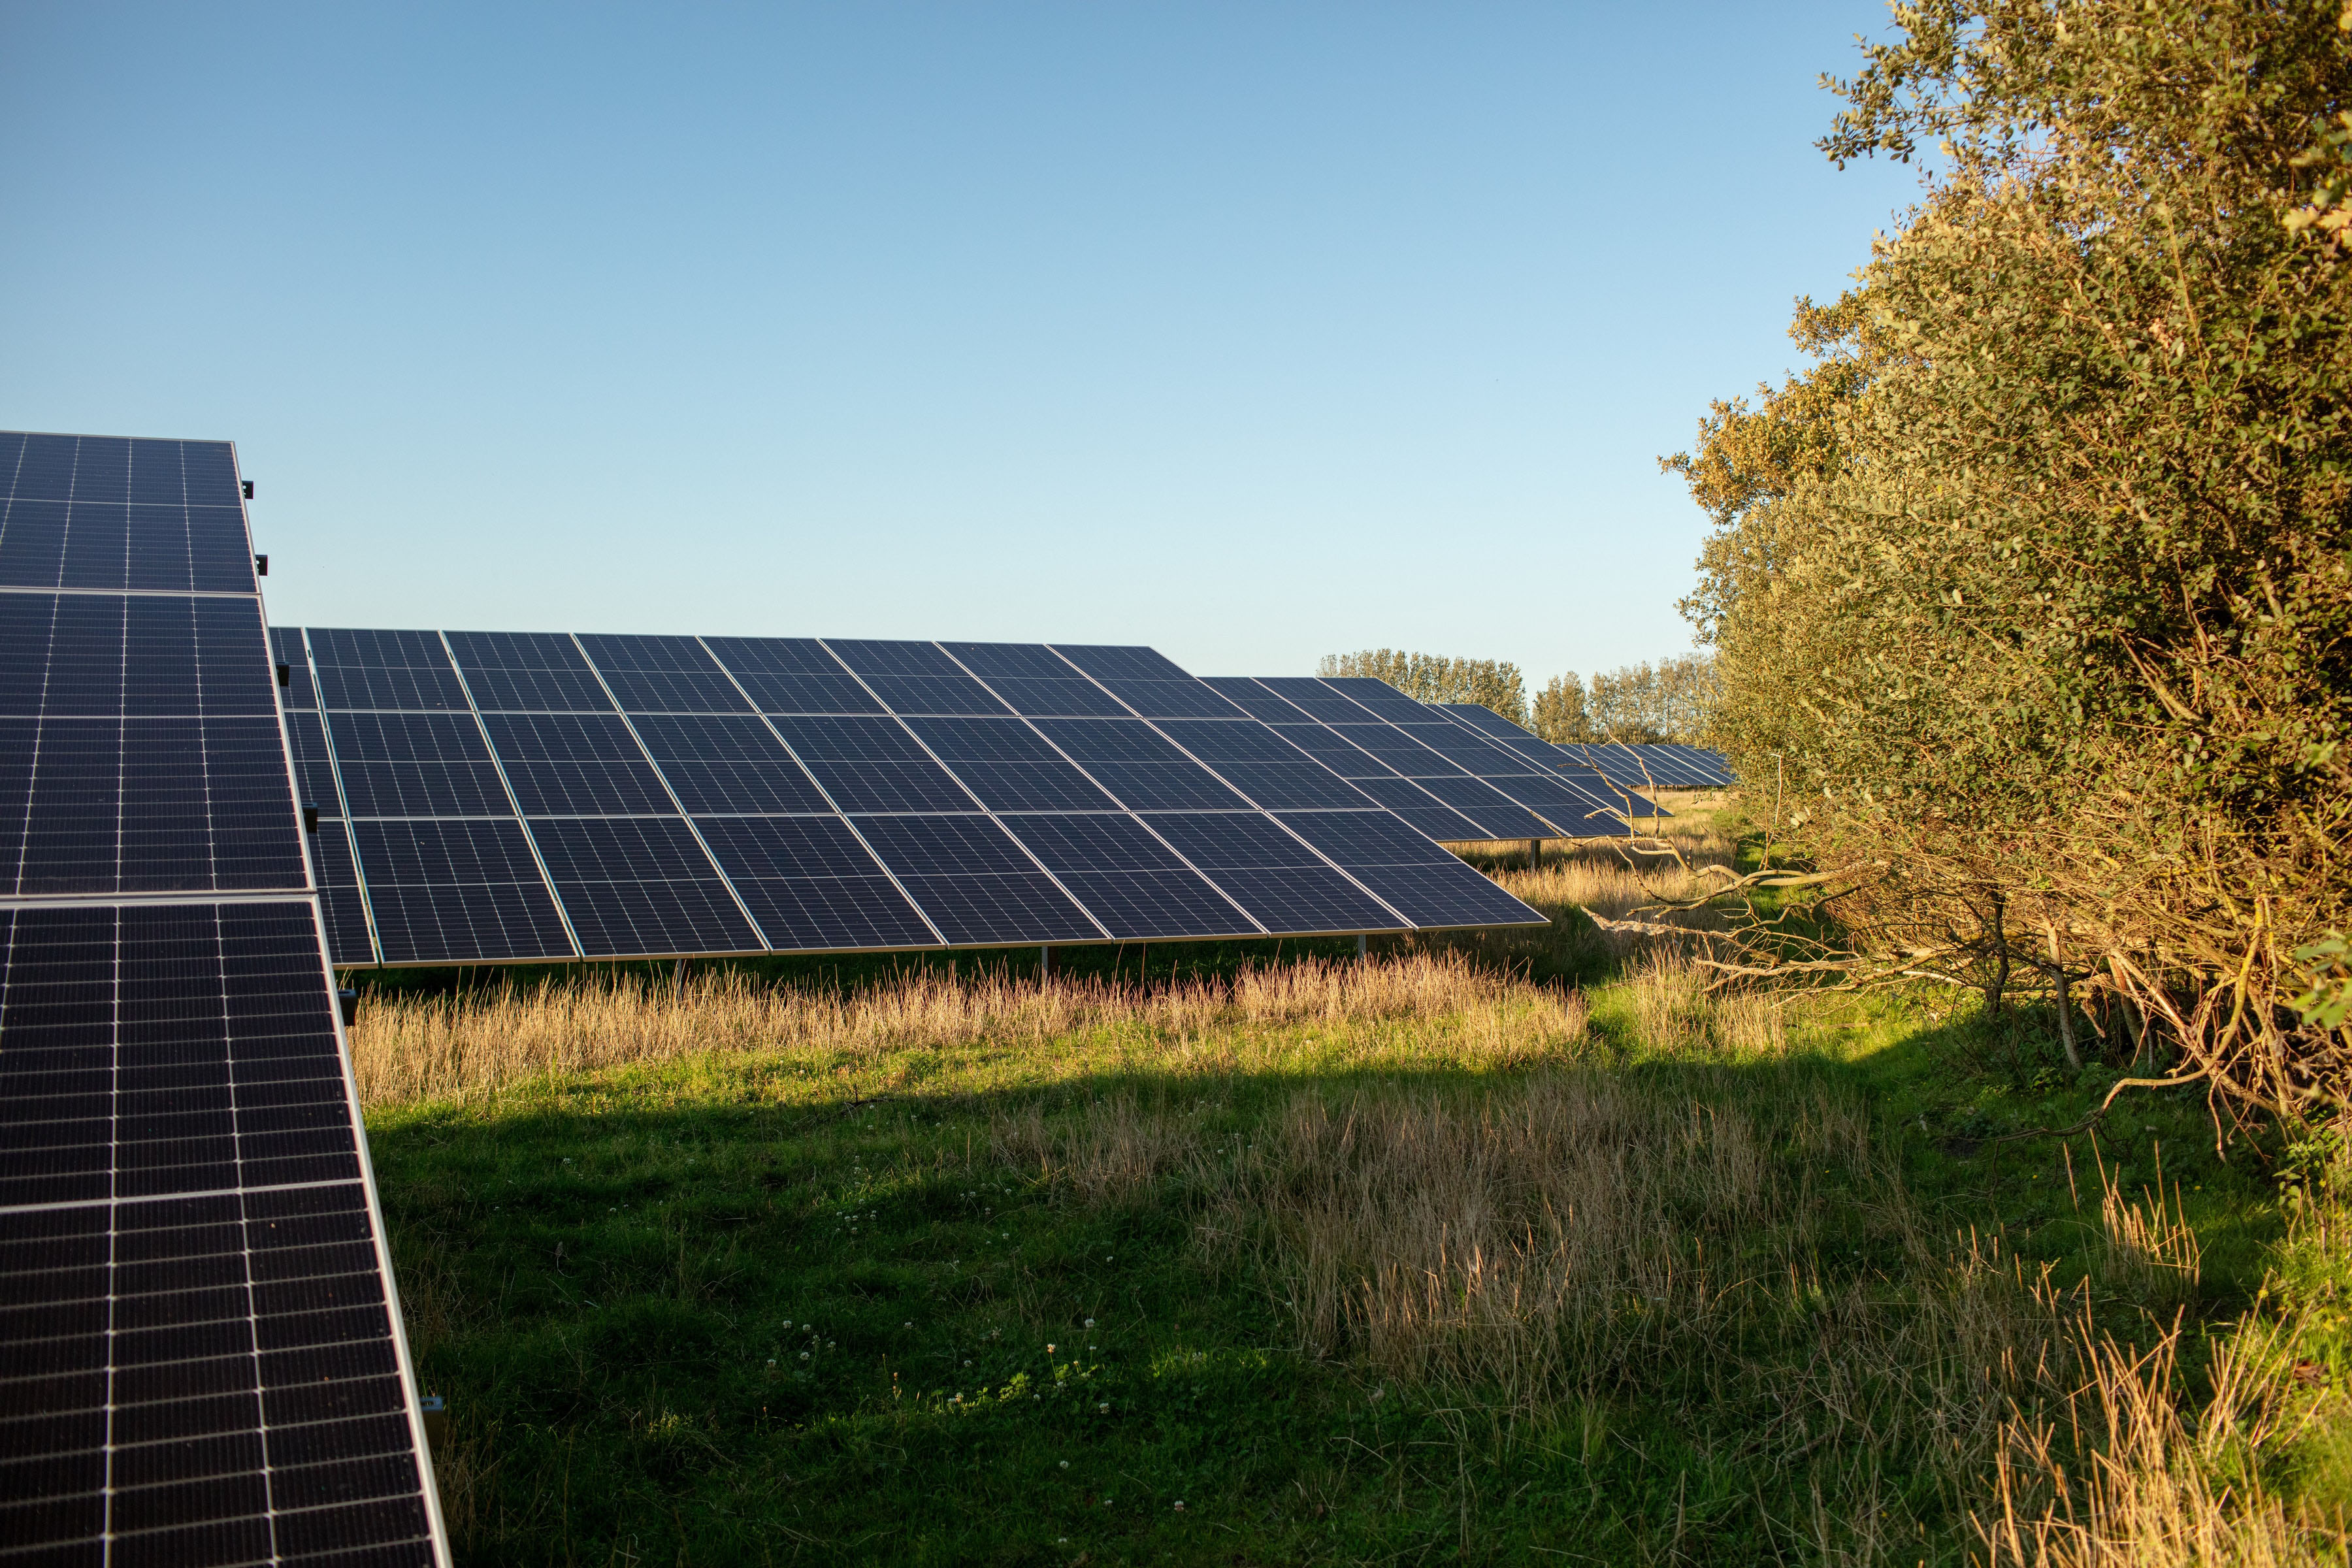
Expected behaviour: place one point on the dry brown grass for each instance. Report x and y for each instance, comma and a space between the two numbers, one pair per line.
1571, 1236
408, 1048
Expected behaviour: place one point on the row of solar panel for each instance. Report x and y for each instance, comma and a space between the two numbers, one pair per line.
486, 796
200, 1354
1658, 764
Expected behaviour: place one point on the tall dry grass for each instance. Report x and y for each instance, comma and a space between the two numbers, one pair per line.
416, 1047
1571, 1238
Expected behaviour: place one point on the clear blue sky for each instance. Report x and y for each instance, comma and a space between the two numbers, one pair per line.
1248, 331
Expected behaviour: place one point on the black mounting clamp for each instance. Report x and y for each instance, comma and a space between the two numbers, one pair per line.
261, 566
247, 488
310, 817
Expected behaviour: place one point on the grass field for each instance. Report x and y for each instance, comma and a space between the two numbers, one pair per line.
1524, 1251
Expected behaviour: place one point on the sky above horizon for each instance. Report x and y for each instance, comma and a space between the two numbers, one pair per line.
1249, 333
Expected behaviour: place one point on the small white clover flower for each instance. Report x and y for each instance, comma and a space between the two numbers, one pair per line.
804, 1355
1090, 1322
1104, 1407
1066, 1463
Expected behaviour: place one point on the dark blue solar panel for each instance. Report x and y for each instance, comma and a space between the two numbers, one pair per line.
933, 694
1220, 740
1057, 696
811, 884
1500, 815
299, 690
1009, 765
199, 1298
773, 656
723, 763
1334, 750
872, 764
562, 764
640, 885
898, 658
1440, 822
1416, 876
664, 675
1285, 885
1172, 698
1317, 701
1405, 795
1473, 754
1111, 741
1304, 785
973, 881
452, 891
1032, 786
958, 740
417, 764
1253, 699
139, 748
384, 669
110, 514
1398, 750
527, 672
1119, 663
992, 661
1164, 786
1380, 698
839, 692
1131, 881
336, 873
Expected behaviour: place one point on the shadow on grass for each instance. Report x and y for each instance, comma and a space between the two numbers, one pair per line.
679, 1318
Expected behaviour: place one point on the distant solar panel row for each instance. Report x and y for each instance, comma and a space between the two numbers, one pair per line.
1657, 765
499, 796
200, 1354
1448, 773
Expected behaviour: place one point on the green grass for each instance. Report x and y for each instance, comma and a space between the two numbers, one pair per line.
798, 1308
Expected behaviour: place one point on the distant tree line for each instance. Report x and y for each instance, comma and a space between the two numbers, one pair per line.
1673, 700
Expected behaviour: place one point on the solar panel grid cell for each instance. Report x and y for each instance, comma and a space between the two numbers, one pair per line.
361, 669
640, 885
992, 661
911, 694
576, 764
1252, 699
1171, 699
109, 515
145, 754
1280, 881
444, 891
1056, 698
723, 763
812, 883
974, 882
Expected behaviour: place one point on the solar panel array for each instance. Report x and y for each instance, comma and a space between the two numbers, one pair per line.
1443, 771
487, 796
1658, 765
200, 1353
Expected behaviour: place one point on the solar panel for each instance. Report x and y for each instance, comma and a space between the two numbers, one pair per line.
642, 797
1450, 773
201, 1357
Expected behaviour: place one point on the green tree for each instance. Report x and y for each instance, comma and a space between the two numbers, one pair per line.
1435, 677
1560, 711
2039, 584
